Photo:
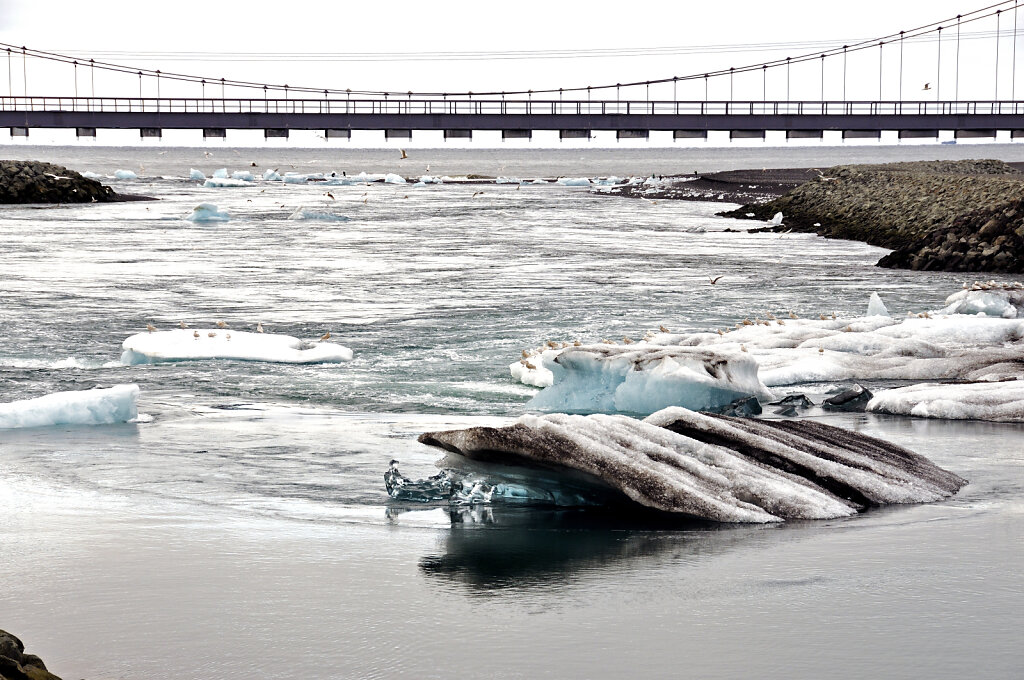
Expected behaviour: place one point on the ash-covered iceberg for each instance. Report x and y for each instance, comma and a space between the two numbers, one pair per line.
712, 467
994, 401
102, 406
645, 379
218, 343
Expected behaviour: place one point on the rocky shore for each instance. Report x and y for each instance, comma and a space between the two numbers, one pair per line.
731, 186
38, 182
15, 664
935, 215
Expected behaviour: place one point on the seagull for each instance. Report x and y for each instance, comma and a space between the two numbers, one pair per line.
329, 195
663, 329
259, 326
927, 86
530, 366
325, 337
207, 154
150, 327
211, 334
715, 280
404, 155
476, 193
183, 325
221, 324
195, 335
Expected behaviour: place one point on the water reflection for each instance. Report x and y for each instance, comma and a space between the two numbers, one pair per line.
494, 549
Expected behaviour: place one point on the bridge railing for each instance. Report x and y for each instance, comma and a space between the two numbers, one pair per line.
393, 106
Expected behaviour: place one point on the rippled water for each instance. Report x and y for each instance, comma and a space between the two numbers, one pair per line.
250, 512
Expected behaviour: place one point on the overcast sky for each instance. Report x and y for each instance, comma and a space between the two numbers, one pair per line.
129, 32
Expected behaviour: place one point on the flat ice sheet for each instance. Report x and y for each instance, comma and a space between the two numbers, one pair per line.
995, 401
217, 343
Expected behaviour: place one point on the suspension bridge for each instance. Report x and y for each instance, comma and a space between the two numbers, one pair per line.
217, 105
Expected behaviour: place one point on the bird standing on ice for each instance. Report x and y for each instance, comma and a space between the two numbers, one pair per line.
325, 337
150, 327
195, 335
221, 324
259, 326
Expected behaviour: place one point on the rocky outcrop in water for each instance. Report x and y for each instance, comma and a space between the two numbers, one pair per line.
936, 215
38, 182
15, 664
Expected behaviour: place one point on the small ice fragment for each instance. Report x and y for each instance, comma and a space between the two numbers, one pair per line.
221, 174
392, 178
244, 175
125, 174
91, 175
195, 174
777, 220
207, 212
271, 176
876, 307
116, 404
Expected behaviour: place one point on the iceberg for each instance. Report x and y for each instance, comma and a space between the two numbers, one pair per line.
220, 174
302, 213
207, 212
709, 467
994, 401
876, 307
243, 175
102, 406
392, 178
216, 343
508, 180
631, 379
125, 174
92, 175
1004, 300
271, 176
430, 179
574, 181
776, 220
195, 174
220, 182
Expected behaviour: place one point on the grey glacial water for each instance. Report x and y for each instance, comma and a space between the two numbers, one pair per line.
244, 531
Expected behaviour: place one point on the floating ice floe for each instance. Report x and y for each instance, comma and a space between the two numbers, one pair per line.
221, 182
994, 401
104, 406
207, 212
271, 176
508, 180
302, 213
222, 173
243, 175
217, 343
574, 181
125, 174
990, 299
709, 467
876, 307
392, 178
631, 379
787, 351
92, 175
430, 179
196, 174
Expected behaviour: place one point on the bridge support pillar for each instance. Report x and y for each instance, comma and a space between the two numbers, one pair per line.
19, 132
151, 132
573, 134
215, 133
804, 134
632, 134
689, 134
862, 134
746, 134
974, 134
517, 134
276, 133
337, 133
394, 133
458, 134
918, 134
85, 132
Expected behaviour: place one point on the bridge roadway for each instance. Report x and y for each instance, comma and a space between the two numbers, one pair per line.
684, 118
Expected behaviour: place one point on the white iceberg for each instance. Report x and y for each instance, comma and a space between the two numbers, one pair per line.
776, 220
105, 406
302, 213
392, 178
508, 180
207, 212
271, 176
876, 307
220, 174
243, 175
990, 299
221, 182
125, 174
195, 174
92, 175
995, 401
217, 343
631, 379
430, 179
574, 181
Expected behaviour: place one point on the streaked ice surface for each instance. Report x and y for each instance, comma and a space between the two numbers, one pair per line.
247, 511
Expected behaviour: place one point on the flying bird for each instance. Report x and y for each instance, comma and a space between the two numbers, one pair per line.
927, 86
715, 280
404, 154
329, 195
476, 193
150, 327
325, 337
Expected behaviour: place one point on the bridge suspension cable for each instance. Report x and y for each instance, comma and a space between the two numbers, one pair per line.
922, 32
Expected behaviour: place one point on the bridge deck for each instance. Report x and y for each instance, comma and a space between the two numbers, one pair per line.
312, 114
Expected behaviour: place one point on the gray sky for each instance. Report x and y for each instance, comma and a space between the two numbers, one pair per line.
270, 28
